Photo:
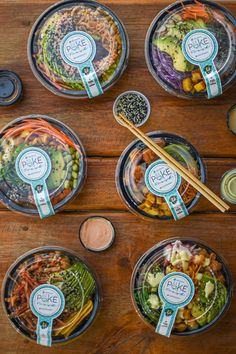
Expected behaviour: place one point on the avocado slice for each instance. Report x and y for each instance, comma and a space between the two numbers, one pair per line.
198, 313
58, 160
58, 173
171, 46
215, 309
180, 29
212, 308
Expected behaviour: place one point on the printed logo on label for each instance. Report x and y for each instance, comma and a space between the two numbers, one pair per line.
78, 48
161, 179
47, 301
33, 165
200, 46
176, 289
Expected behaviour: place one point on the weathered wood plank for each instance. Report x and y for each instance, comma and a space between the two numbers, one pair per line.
99, 192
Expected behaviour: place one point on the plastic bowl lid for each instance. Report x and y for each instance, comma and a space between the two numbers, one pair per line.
52, 285
190, 49
78, 48
132, 169
173, 271
42, 165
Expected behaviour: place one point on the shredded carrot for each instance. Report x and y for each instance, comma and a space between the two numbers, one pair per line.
194, 12
39, 125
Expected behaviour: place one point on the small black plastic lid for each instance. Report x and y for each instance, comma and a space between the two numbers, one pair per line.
10, 88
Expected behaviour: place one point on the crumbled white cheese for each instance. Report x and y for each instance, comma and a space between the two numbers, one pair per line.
180, 314
176, 261
184, 255
154, 301
154, 279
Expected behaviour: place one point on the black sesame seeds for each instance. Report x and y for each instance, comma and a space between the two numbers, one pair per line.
134, 106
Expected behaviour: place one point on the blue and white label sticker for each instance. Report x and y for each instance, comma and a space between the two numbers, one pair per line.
33, 166
175, 290
162, 181
78, 49
47, 302
200, 47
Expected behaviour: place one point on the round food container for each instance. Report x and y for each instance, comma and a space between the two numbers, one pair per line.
228, 186
97, 234
231, 119
50, 295
181, 287
78, 49
43, 165
190, 49
134, 105
135, 164
11, 88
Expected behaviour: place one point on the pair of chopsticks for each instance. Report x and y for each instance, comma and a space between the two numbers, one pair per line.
175, 165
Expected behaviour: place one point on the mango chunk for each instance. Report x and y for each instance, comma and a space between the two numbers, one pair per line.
201, 86
196, 77
187, 84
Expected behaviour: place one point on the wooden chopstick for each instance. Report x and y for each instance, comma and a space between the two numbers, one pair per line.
182, 171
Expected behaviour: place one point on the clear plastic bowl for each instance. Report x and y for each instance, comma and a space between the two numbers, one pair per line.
163, 46
133, 163
26, 270
189, 320
65, 180
93, 19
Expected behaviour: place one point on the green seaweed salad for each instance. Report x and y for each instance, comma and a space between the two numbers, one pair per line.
203, 267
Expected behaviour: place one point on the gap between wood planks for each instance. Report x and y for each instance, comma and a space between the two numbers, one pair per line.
120, 211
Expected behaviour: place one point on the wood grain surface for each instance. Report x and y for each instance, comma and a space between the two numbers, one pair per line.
118, 329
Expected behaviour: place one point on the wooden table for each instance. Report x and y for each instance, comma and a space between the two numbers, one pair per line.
118, 329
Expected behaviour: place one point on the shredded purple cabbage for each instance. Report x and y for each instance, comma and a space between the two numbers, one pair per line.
163, 64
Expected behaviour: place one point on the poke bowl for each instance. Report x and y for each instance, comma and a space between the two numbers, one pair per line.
78, 49
165, 49
209, 273
42, 165
133, 165
66, 273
